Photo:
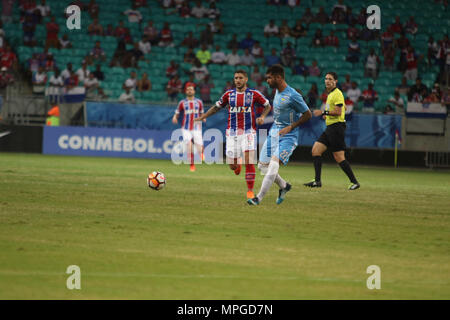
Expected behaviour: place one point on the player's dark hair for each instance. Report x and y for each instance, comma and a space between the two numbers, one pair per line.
333, 74
276, 69
242, 72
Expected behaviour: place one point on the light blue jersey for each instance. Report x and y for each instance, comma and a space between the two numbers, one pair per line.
288, 106
287, 109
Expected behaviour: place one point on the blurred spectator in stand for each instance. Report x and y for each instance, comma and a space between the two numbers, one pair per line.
203, 55
300, 68
233, 58
5, 78
298, 30
417, 91
8, 58
205, 89
39, 81
313, 96
218, 56
257, 50
411, 64
83, 72
411, 26
389, 57
308, 16
64, 42
397, 102
354, 51
369, 96
213, 13
91, 85
184, 11
136, 55
95, 28
189, 56
321, 17
396, 27
65, 74
144, 84
228, 86
233, 43
271, 29
199, 11
273, 58
403, 88
216, 26
318, 40
133, 14
97, 54
127, 96
152, 33
166, 39
43, 10
432, 51
52, 34
119, 56
207, 36
247, 43
109, 31
347, 84
56, 83
172, 69
49, 62
434, 96
354, 94
122, 32
173, 88
288, 56
372, 62
29, 27
338, 12
189, 41
314, 70
387, 39
98, 73
261, 87
7, 10
331, 40
247, 59
199, 71
145, 45
284, 30
350, 18
256, 74
93, 9
34, 63
131, 82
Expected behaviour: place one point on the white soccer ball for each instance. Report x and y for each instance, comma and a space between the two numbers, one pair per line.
156, 180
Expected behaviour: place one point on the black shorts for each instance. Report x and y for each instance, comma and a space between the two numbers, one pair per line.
334, 137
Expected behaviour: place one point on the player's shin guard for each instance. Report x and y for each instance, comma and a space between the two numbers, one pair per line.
345, 166
269, 178
318, 167
250, 176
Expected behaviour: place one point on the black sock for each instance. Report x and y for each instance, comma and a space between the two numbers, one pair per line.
318, 167
345, 166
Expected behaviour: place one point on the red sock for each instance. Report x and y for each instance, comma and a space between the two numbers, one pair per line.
250, 176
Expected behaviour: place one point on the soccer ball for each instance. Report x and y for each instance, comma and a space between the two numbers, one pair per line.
156, 180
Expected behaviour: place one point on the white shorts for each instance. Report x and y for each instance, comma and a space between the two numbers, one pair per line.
188, 135
237, 145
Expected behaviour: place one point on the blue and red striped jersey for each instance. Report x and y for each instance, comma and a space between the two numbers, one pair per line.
241, 110
191, 109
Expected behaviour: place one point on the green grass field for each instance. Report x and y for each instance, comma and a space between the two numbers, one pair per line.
198, 239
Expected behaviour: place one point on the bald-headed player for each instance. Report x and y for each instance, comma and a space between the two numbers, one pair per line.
333, 138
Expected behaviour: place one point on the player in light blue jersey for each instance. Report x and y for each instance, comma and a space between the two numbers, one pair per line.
289, 112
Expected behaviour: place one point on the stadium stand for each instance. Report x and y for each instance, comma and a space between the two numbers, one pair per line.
252, 16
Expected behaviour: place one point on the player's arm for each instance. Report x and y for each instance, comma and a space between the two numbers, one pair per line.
304, 118
214, 109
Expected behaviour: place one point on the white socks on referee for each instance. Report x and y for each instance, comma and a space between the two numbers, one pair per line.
269, 178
